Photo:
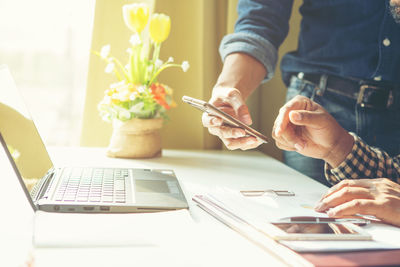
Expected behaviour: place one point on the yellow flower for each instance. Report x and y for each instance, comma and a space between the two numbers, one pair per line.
132, 88
123, 96
160, 26
136, 16
109, 92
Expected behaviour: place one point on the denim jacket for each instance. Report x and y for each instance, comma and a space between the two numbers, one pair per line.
347, 38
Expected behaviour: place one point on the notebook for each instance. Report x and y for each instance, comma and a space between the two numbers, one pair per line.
76, 189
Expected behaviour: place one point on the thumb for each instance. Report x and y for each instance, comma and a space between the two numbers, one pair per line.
244, 115
240, 107
308, 118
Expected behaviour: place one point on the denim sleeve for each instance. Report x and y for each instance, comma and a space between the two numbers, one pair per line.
261, 27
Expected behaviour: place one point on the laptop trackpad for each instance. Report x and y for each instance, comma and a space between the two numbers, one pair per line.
151, 186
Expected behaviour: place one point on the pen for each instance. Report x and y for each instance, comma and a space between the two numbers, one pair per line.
311, 219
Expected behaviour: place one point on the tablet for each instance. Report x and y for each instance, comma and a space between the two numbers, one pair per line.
315, 231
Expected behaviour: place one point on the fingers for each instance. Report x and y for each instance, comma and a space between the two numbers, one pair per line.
235, 138
217, 127
284, 146
343, 195
314, 119
227, 96
244, 115
355, 206
243, 143
288, 140
366, 183
211, 121
282, 120
284, 132
364, 196
231, 97
230, 101
383, 210
227, 132
232, 137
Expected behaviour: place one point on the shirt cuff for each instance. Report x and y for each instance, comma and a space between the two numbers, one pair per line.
344, 171
253, 45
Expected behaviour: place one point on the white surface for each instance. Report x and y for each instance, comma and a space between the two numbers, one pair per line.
115, 230
16, 217
198, 172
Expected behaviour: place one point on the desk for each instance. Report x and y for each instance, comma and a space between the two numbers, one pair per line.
197, 171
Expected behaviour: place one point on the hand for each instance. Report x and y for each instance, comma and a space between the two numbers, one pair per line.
230, 101
240, 76
304, 126
379, 197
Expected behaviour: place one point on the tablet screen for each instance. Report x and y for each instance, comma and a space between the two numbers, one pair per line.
315, 228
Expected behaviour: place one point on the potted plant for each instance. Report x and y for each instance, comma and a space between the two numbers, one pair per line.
136, 104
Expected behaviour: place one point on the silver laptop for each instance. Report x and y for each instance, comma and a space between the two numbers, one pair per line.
76, 189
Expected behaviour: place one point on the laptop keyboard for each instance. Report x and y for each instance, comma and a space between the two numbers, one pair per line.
92, 185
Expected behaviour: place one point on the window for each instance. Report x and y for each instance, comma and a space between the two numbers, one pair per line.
46, 44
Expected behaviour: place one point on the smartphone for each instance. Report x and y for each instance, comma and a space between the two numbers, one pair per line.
316, 231
228, 119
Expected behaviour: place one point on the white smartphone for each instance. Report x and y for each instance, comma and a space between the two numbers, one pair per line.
228, 119
315, 231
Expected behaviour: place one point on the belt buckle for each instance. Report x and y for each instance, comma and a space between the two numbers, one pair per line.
361, 94
360, 98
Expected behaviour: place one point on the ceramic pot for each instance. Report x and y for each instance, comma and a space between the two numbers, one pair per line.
136, 138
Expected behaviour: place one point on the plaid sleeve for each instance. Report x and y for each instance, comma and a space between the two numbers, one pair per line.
364, 161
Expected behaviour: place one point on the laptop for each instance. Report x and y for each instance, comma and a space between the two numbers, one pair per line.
76, 189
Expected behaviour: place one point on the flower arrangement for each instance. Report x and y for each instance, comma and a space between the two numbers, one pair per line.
138, 94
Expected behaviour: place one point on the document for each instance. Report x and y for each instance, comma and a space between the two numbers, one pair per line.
247, 230
269, 206
257, 211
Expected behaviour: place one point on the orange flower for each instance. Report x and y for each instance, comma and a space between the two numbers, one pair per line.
159, 93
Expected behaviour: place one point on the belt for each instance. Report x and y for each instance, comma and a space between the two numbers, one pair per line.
366, 93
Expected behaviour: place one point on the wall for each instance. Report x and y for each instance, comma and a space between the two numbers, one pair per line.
197, 28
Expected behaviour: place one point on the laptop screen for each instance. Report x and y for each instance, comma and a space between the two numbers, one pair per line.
20, 134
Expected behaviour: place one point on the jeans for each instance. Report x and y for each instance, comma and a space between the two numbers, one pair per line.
378, 128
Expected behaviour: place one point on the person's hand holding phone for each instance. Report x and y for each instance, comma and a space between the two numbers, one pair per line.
230, 101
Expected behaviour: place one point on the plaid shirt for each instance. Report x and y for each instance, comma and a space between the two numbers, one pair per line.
364, 162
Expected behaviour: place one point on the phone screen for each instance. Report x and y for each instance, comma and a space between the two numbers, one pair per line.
315, 228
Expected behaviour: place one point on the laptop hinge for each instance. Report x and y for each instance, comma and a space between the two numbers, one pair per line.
40, 189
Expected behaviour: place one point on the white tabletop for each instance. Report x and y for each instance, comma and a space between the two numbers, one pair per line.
198, 172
